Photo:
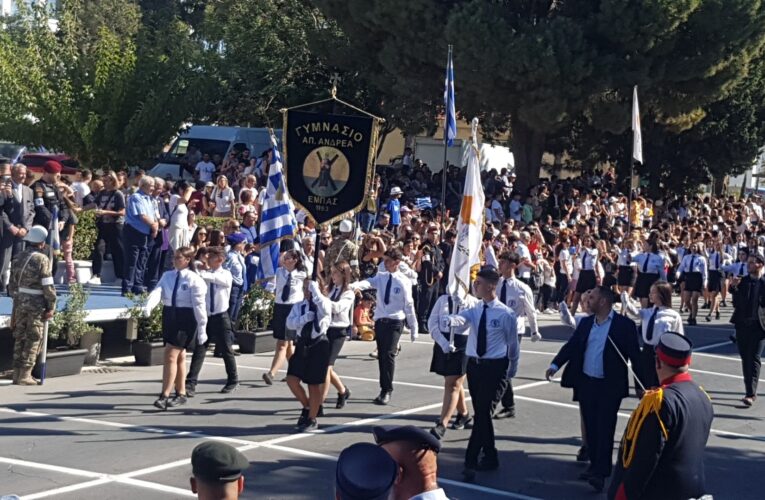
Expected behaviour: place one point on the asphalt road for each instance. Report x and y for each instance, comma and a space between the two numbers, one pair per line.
97, 435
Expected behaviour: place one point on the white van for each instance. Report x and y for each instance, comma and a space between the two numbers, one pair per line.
212, 140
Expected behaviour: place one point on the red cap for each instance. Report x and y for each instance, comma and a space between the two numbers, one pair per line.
52, 167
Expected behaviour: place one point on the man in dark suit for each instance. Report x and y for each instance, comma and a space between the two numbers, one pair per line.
748, 296
599, 376
18, 212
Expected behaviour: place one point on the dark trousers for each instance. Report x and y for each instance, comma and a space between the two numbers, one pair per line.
750, 342
427, 299
155, 263
546, 296
218, 332
599, 412
561, 287
485, 377
235, 303
387, 333
505, 393
109, 240
135, 244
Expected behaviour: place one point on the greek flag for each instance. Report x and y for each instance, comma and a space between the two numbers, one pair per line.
450, 123
277, 217
423, 203
53, 241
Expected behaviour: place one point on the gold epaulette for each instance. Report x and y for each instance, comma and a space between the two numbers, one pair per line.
651, 403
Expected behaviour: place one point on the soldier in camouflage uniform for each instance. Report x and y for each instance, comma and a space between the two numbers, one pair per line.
342, 249
34, 301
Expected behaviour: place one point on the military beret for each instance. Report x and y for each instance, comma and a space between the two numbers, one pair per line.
409, 433
52, 167
217, 462
365, 472
674, 349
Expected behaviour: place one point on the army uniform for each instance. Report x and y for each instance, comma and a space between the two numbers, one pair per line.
342, 249
33, 293
46, 198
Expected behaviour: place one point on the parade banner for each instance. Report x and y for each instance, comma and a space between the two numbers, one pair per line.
329, 162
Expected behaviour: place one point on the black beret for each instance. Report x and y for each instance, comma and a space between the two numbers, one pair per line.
217, 462
410, 433
365, 472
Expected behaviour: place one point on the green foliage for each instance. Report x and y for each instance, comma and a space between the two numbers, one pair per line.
68, 324
257, 310
212, 222
149, 326
85, 235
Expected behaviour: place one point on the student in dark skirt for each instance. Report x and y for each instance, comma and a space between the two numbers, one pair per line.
289, 291
184, 322
716, 258
693, 270
310, 362
341, 299
650, 268
587, 258
625, 278
449, 361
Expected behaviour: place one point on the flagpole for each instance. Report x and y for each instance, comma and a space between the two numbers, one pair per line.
446, 148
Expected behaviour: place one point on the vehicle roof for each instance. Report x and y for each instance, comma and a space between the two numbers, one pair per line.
217, 132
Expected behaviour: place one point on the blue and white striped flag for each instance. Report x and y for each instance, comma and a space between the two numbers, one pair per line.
450, 123
53, 241
423, 203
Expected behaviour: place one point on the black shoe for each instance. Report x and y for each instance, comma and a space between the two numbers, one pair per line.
717, 315
229, 387
583, 455
708, 318
485, 464
303, 419
321, 411
161, 402
268, 378
733, 338
597, 483
508, 412
191, 390
343, 398
309, 425
461, 421
438, 431
691, 321
724, 304
178, 400
706, 306
468, 475
383, 399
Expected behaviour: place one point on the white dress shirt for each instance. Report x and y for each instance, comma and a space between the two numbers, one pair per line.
739, 269
218, 290
694, 263
438, 494
501, 332
520, 299
341, 307
191, 293
400, 304
716, 260
523, 252
236, 266
655, 264
588, 258
295, 280
300, 314
439, 323
564, 259
625, 257
403, 268
666, 320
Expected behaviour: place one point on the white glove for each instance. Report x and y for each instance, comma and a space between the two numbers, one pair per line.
443, 344
307, 317
201, 337
536, 337
413, 334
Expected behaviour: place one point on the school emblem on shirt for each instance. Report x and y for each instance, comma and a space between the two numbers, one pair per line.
512, 303
396, 290
329, 160
184, 287
494, 323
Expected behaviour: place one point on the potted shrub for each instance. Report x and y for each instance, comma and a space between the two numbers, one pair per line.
254, 316
148, 347
66, 332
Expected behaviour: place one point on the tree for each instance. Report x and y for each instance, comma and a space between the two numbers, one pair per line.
534, 67
109, 86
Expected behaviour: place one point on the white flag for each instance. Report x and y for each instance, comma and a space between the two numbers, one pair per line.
637, 141
467, 248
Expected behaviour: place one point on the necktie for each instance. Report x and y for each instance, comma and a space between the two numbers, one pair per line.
645, 263
651, 323
335, 294
175, 288
387, 289
584, 259
481, 345
717, 261
741, 270
211, 289
312, 307
503, 293
693, 259
287, 288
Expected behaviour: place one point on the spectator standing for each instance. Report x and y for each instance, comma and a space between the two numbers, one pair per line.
18, 213
223, 198
141, 226
205, 169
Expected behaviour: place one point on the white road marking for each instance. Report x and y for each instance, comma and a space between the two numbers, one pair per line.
53, 468
66, 489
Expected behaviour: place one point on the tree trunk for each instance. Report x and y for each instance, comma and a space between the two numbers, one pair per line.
528, 146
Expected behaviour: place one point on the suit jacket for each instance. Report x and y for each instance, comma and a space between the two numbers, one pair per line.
624, 333
18, 213
741, 302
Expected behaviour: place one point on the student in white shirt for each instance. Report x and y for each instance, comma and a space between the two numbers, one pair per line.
626, 274
650, 269
289, 291
309, 364
716, 259
341, 300
205, 169
588, 278
184, 323
693, 271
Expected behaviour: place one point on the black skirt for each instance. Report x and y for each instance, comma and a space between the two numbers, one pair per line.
179, 327
626, 276
279, 322
336, 337
586, 281
714, 282
694, 282
643, 284
448, 364
310, 362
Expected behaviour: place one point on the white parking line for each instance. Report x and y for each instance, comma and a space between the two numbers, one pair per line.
66, 489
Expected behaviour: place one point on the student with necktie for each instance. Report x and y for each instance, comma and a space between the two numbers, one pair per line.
289, 291
655, 321
650, 266
309, 364
184, 323
716, 259
693, 272
219, 330
587, 258
394, 305
341, 299
492, 350
626, 275
235, 264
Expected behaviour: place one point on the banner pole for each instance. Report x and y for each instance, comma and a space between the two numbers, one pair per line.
446, 161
